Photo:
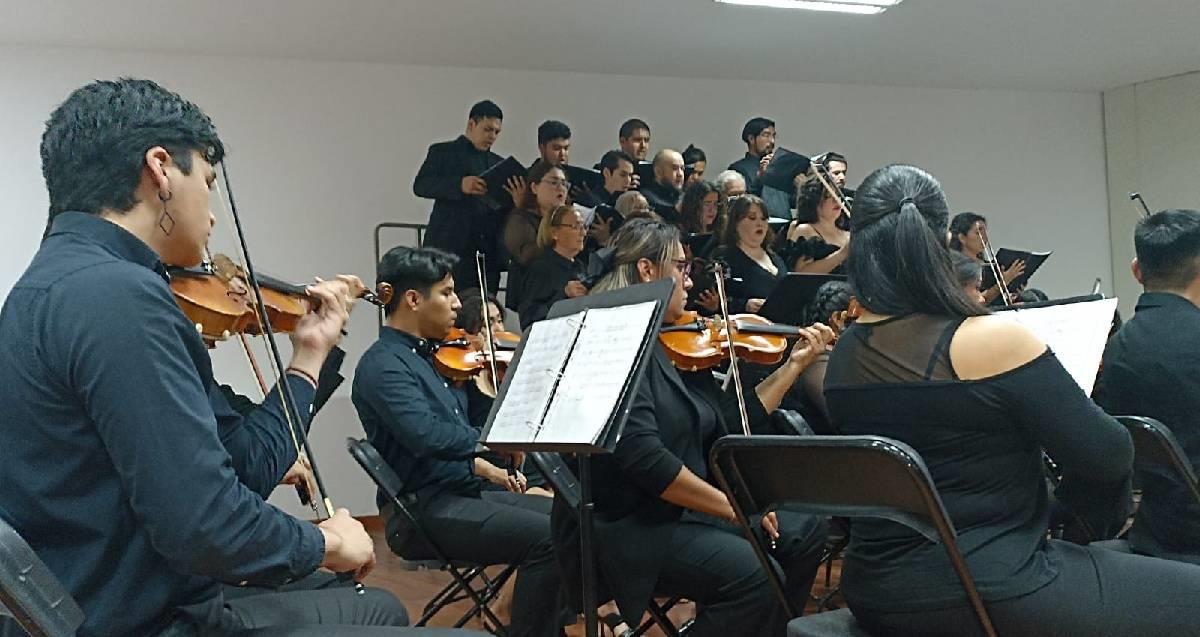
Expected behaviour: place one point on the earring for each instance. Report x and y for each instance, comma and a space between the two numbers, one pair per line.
166, 222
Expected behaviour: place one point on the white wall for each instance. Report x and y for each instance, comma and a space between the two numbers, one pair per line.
1152, 134
320, 153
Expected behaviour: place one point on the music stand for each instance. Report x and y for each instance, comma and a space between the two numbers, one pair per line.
657, 292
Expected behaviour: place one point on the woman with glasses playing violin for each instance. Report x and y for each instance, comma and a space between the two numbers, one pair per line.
556, 273
661, 527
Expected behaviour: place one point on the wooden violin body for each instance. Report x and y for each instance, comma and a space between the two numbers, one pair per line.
694, 342
459, 359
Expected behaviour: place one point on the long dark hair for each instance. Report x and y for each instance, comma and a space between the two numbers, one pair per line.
899, 263
809, 197
691, 206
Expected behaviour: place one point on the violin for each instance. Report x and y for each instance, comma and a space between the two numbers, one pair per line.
216, 299
853, 311
694, 342
459, 359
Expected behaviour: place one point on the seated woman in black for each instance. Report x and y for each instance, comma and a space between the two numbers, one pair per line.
557, 272
818, 241
661, 527
745, 247
828, 306
980, 398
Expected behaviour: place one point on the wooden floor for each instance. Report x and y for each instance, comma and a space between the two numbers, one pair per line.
416, 588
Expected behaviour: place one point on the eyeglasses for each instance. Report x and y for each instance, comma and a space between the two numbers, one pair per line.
577, 227
683, 265
555, 182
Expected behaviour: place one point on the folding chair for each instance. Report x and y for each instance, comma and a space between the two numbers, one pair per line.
1155, 446
559, 475
463, 574
37, 601
847, 476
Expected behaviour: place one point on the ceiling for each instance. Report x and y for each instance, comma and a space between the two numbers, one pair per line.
1069, 45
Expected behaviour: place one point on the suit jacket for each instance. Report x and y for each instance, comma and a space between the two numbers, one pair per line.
459, 223
633, 524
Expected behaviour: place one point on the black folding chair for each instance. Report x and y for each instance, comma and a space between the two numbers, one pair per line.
560, 476
464, 574
37, 601
846, 476
1154, 446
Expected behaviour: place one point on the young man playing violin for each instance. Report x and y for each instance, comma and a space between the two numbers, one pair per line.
475, 510
112, 464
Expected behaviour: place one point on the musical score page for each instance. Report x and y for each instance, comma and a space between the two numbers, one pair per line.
1075, 332
596, 375
530, 389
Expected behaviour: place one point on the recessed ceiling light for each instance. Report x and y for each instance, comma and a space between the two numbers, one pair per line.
862, 7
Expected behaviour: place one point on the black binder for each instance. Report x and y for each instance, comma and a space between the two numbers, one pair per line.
1006, 257
497, 198
784, 167
603, 441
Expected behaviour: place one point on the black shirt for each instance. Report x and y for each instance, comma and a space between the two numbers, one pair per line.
112, 465
748, 167
982, 442
1152, 368
412, 415
662, 199
749, 279
459, 223
544, 284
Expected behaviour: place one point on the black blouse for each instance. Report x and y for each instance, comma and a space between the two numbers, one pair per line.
982, 441
749, 279
543, 283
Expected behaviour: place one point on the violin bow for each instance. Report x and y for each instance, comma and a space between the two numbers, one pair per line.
487, 321
1137, 196
719, 278
830, 187
994, 265
288, 401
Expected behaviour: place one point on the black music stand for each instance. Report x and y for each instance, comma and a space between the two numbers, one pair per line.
658, 292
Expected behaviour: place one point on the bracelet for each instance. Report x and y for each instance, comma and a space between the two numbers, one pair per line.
296, 371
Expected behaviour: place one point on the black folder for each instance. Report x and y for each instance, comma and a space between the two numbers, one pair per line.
784, 167
497, 198
790, 298
587, 186
645, 172
1005, 257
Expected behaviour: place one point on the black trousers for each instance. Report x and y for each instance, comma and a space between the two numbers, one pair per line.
711, 563
496, 528
1098, 593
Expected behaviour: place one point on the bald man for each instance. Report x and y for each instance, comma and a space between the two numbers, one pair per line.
664, 193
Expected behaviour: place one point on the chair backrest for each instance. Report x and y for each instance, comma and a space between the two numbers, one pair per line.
34, 596
1155, 446
381, 474
846, 476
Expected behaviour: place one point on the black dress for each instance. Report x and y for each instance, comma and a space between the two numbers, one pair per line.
749, 279
647, 546
543, 284
982, 441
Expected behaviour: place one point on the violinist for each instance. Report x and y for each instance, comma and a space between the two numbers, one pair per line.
113, 468
477, 511
818, 240
556, 273
661, 526
969, 274
979, 398
1152, 368
830, 305
967, 232
755, 268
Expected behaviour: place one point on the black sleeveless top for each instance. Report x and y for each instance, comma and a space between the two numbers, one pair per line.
982, 442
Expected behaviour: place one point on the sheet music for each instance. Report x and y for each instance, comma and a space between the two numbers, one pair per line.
1075, 332
531, 387
596, 374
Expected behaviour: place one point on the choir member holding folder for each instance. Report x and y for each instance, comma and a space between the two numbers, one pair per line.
462, 222
661, 527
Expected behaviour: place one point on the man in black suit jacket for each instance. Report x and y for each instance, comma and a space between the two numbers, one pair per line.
664, 193
460, 222
1152, 368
